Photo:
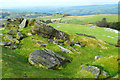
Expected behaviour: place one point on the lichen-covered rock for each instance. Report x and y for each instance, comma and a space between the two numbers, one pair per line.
95, 70
41, 44
64, 49
12, 32
5, 43
80, 44
92, 69
13, 23
72, 43
23, 24
31, 22
19, 36
97, 57
11, 39
12, 46
47, 59
48, 31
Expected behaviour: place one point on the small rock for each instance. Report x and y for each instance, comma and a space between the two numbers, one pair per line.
72, 43
29, 34
64, 49
92, 69
104, 73
77, 45
19, 35
55, 42
41, 44
13, 46
5, 43
12, 32
97, 57
80, 44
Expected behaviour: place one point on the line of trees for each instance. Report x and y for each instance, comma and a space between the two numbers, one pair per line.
104, 23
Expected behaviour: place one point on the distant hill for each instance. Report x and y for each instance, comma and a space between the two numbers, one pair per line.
73, 10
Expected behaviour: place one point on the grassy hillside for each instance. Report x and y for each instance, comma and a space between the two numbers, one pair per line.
82, 19
15, 62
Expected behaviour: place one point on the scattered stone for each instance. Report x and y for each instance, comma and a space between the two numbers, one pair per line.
72, 43
74, 49
97, 57
80, 44
10, 38
47, 59
92, 69
6, 43
104, 73
50, 40
19, 36
12, 32
29, 34
64, 49
96, 70
13, 46
55, 42
99, 44
86, 35
23, 24
1, 34
41, 44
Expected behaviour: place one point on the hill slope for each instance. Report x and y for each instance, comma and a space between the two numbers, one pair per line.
15, 62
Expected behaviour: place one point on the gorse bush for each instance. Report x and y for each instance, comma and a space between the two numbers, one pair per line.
104, 23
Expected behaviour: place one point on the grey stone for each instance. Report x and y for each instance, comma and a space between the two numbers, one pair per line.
104, 73
5, 43
96, 70
13, 46
10, 38
92, 69
72, 43
41, 44
80, 44
29, 34
47, 59
23, 24
64, 49
19, 35
12, 32
48, 31
97, 57
77, 45
74, 49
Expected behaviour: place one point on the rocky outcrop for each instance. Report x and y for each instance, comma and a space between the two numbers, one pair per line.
47, 59
48, 31
10, 38
13, 23
95, 70
23, 24
5, 43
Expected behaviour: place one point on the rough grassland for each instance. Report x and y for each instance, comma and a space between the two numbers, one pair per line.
15, 62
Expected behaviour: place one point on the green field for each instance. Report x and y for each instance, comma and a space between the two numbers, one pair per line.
15, 62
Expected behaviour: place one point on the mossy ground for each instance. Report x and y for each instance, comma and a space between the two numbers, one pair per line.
15, 62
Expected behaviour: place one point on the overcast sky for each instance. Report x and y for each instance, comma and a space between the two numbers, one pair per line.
32, 3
